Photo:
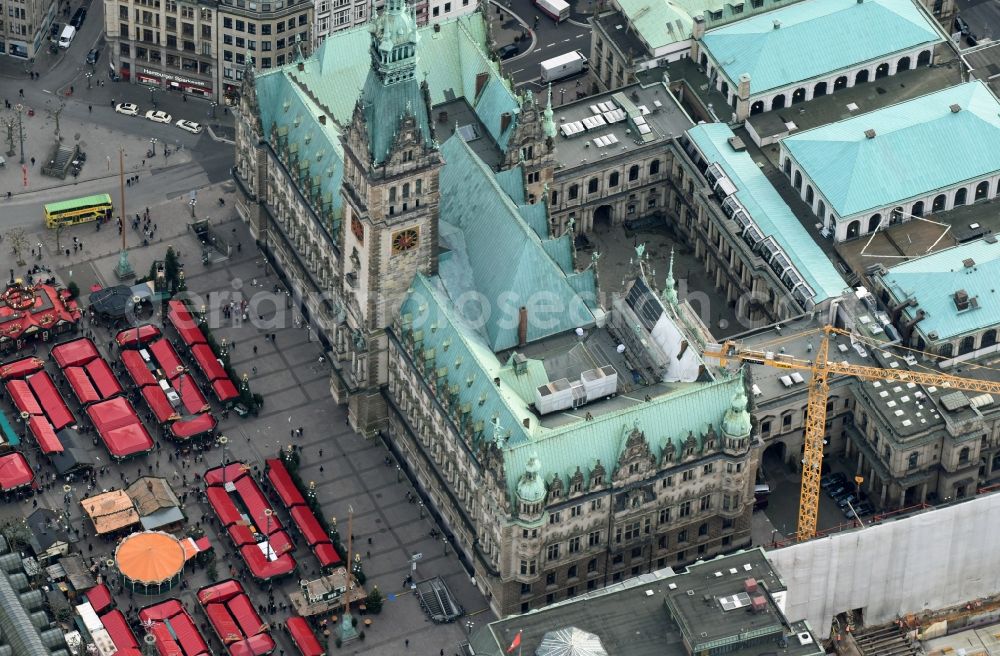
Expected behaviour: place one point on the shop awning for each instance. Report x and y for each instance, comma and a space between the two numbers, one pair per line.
157, 401
303, 637
100, 598
257, 645
187, 428
264, 569
248, 619
232, 472
194, 400
51, 401
137, 369
44, 434
185, 325
308, 525
224, 507
119, 427
208, 362
82, 387
15, 472
166, 358
224, 623
23, 398
119, 630
256, 505
220, 592
241, 535
137, 336
283, 484
326, 554
75, 353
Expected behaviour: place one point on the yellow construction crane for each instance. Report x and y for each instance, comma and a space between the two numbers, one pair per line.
815, 422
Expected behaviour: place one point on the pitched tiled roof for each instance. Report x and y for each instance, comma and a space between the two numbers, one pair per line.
510, 266
920, 146
932, 281
767, 209
816, 37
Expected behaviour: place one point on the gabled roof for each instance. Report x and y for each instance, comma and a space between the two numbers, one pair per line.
815, 38
932, 281
919, 146
510, 266
767, 209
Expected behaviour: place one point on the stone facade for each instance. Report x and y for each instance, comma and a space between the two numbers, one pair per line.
24, 27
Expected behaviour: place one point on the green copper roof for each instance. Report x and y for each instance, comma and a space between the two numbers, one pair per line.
510, 266
385, 106
932, 281
461, 363
767, 209
816, 38
736, 423
920, 146
662, 22
536, 216
512, 182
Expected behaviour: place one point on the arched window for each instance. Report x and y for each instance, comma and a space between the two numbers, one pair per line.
924, 58
963, 455
967, 345
821, 209
778, 102
798, 180
809, 194
654, 167
613, 179
989, 338
593, 185
982, 190
946, 350
960, 196
939, 203
918, 208
874, 222
406, 190
574, 191
554, 198
633, 173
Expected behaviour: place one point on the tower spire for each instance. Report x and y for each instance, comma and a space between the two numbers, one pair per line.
548, 125
669, 293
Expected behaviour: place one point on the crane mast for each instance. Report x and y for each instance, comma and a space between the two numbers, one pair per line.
819, 387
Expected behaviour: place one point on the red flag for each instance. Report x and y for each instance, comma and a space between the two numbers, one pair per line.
515, 644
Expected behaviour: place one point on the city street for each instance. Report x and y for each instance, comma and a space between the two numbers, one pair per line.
549, 40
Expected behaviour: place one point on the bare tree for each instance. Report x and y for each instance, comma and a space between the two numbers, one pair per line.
18, 242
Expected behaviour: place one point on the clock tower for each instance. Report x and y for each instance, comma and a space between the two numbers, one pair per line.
390, 192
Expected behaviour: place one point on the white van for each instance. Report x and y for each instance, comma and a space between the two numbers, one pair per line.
67, 35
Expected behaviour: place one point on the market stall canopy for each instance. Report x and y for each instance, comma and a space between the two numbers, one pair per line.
15, 472
110, 511
114, 302
132, 337
150, 557
75, 353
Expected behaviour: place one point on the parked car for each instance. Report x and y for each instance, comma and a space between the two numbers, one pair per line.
128, 109
961, 25
508, 51
835, 491
189, 126
846, 499
834, 479
862, 509
78, 18
159, 116
54, 32
93, 56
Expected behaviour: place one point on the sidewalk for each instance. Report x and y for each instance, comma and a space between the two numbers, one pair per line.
509, 28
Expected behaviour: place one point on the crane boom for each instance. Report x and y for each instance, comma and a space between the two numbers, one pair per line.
821, 369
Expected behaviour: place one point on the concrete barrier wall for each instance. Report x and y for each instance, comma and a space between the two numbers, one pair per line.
932, 560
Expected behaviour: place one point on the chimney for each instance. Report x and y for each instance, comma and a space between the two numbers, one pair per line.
955, 108
962, 299
870, 133
437, 27
504, 122
301, 66
496, 381
522, 326
897, 309
527, 422
777, 24
758, 603
750, 586
481, 79
322, 119
698, 29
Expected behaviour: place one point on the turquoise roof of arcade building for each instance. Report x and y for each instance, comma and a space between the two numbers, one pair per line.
919, 146
815, 38
504, 259
932, 281
768, 210
453, 354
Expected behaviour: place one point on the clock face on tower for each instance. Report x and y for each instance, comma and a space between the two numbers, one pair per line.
358, 229
405, 240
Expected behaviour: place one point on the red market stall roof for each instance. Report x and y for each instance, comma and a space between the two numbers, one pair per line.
257, 645
303, 637
27, 309
132, 337
233, 472
15, 472
265, 569
53, 404
280, 542
111, 414
75, 353
241, 535
207, 362
283, 484
188, 428
45, 435
119, 427
194, 400
137, 369
308, 525
184, 324
166, 358
175, 631
245, 615
23, 397
326, 554
103, 378
119, 630
82, 387
224, 623
256, 504
223, 505
220, 592
157, 401
20, 368
100, 598
224, 390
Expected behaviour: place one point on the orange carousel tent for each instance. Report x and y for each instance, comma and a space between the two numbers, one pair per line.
151, 562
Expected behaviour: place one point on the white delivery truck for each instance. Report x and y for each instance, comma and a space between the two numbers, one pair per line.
557, 10
67, 35
562, 66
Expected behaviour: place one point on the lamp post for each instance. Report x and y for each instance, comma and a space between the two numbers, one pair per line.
212, 107
88, 76
20, 127
191, 204
124, 270
223, 441
152, 100
152, 145
468, 626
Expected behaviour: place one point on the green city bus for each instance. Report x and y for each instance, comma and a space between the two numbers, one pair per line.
79, 210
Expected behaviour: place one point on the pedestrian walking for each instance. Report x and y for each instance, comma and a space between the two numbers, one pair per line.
90, 108
20, 92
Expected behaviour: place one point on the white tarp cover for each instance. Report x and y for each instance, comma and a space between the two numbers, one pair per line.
570, 641
929, 561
